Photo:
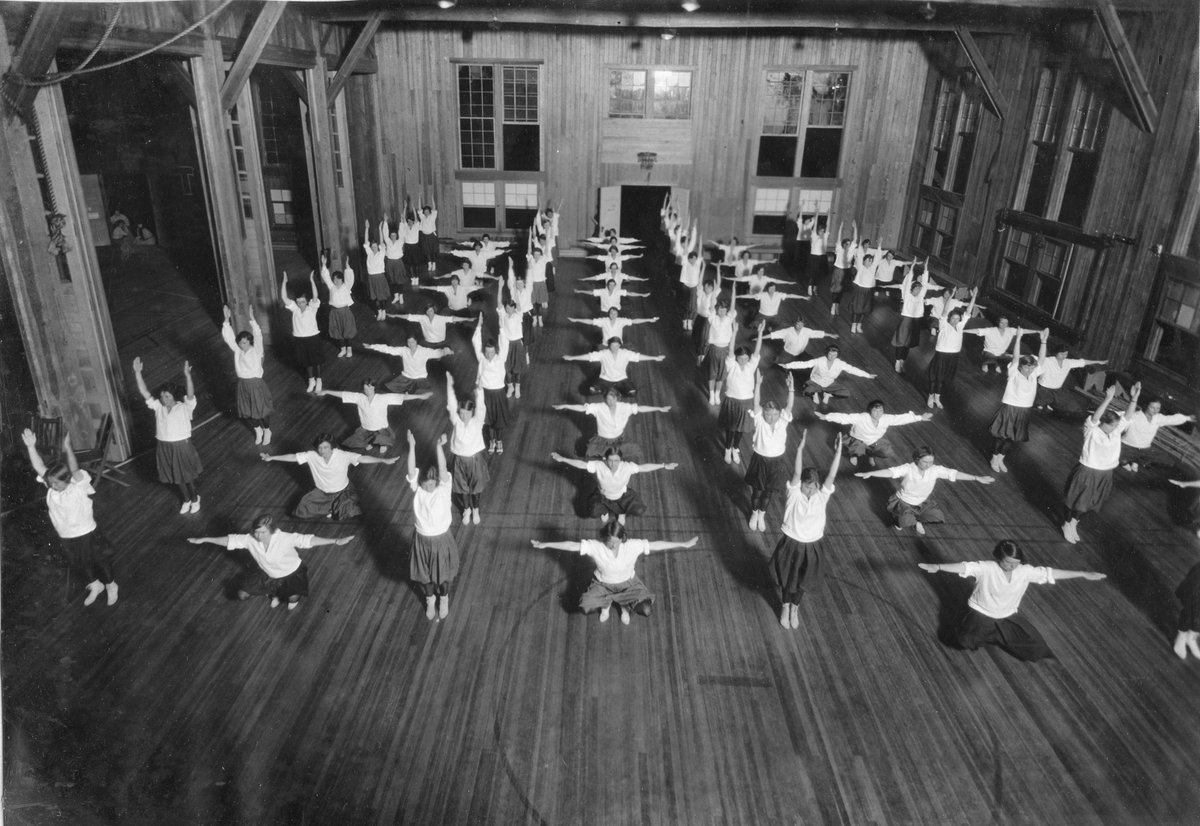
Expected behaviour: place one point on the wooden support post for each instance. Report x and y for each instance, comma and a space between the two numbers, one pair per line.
35, 53
357, 50
250, 51
1144, 109
991, 88
325, 221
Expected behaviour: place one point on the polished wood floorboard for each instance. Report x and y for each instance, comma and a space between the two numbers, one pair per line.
182, 705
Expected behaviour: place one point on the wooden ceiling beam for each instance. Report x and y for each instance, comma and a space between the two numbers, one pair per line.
34, 54
361, 43
987, 80
1144, 108
251, 50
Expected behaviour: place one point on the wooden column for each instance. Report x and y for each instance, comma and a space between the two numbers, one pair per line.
241, 244
326, 219
62, 313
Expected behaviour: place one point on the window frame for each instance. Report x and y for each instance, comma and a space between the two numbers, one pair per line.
648, 96
803, 120
499, 115
799, 196
500, 198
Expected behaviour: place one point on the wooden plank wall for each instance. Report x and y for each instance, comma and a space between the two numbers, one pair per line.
417, 117
1139, 182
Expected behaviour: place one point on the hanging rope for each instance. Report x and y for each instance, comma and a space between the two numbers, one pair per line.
59, 77
108, 30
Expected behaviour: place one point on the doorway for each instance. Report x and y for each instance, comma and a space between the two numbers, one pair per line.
640, 207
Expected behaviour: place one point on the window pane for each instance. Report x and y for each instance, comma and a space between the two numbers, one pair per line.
1177, 351
962, 167
776, 156
815, 201
781, 105
1051, 257
522, 150
521, 195
476, 123
478, 193
771, 201
968, 117
943, 115
1039, 181
828, 104
947, 219
1085, 128
479, 217
822, 151
1048, 107
520, 94
1047, 294
672, 95
1019, 243
515, 218
626, 94
1078, 190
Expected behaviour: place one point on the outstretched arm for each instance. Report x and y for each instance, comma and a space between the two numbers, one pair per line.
653, 466
578, 408
223, 541
971, 477
557, 546
1058, 573
575, 463
318, 541
661, 545
282, 457
377, 460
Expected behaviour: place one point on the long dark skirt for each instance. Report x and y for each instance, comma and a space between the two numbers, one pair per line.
412, 256
908, 333
517, 361
377, 286
429, 247
1014, 634
1011, 423
767, 472
1087, 488
495, 403
89, 556
253, 399
798, 566
433, 559
735, 415
714, 362
862, 299
816, 266
942, 369
310, 351
256, 583
470, 473
317, 504
178, 462
397, 274
539, 293
341, 323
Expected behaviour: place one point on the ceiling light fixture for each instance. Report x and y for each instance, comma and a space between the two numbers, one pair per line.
690, 6
667, 34
928, 12
447, 4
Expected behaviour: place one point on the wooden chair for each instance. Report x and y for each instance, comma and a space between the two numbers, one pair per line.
95, 460
49, 436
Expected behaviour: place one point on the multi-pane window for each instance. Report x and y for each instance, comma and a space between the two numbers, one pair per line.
1065, 137
479, 204
770, 210
804, 117
520, 204
935, 228
339, 177
498, 204
650, 93
1174, 341
499, 132
239, 160
281, 207
1034, 268
814, 203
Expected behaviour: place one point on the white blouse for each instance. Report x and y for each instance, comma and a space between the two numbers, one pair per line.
1101, 451
997, 595
610, 422
770, 440
248, 364
431, 509
174, 425
804, 516
739, 380
304, 322
71, 509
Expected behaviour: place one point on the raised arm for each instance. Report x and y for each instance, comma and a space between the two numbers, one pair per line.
1135, 393
440, 452
798, 465
575, 463
1099, 412
759, 340
141, 381
790, 384
227, 329
412, 454
35, 458
283, 296
451, 399
312, 283
477, 338
831, 477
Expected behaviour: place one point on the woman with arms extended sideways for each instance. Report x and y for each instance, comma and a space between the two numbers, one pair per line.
991, 615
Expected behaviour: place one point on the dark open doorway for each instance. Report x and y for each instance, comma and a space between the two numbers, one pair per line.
639, 210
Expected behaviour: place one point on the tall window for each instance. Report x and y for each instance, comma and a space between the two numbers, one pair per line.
804, 118
650, 93
499, 132
1175, 335
1034, 268
1065, 138
947, 170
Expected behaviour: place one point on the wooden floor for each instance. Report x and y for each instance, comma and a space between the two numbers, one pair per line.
180, 705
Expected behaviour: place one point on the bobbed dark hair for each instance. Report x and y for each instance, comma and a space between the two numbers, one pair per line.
921, 452
613, 530
1008, 549
264, 520
323, 436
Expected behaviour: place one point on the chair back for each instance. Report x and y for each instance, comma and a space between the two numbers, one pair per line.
49, 435
104, 437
